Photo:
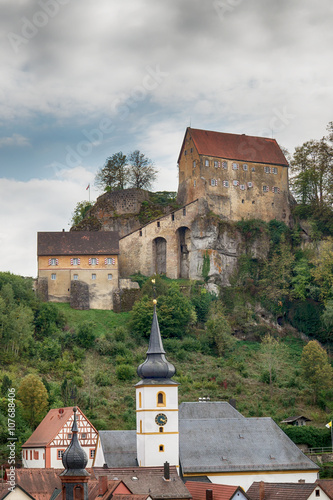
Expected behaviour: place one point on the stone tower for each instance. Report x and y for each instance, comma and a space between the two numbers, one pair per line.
157, 406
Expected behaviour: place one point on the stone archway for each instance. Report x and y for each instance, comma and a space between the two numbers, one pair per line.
184, 249
159, 255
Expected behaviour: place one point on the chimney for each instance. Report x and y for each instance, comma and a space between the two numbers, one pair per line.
209, 494
102, 485
167, 471
261, 490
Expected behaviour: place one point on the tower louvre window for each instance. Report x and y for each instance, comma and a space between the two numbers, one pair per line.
161, 399
161, 447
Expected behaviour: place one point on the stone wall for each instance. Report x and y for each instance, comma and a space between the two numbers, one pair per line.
79, 296
126, 201
42, 289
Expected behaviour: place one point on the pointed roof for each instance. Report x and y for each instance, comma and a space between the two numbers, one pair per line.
156, 368
239, 147
50, 427
75, 458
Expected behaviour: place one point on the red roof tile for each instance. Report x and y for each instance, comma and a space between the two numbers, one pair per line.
50, 427
237, 147
278, 491
327, 486
220, 491
78, 243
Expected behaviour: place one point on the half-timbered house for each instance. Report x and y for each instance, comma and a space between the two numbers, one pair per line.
48, 442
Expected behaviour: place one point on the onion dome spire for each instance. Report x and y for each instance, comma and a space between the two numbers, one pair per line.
156, 366
75, 458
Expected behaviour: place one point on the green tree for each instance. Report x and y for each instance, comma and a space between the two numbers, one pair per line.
302, 279
115, 173
33, 396
272, 357
323, 269
317, 371
80, 211
86, 335
219, 329
142, 173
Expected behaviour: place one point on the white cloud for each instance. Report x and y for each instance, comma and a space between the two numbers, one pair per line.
14, 140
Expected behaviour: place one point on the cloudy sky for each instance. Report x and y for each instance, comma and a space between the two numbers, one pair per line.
81, 80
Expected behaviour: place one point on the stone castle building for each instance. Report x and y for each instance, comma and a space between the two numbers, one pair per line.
222, 177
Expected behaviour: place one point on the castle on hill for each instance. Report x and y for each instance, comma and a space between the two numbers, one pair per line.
232, 176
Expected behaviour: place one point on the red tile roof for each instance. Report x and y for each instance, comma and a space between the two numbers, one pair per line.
220, 491
279, 491
50, 427
237, 147
327, 486
78, 243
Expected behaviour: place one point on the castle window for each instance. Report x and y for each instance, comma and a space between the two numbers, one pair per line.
53, 262
161, 447
242, 201
206, 163
245, 167
110, 261
75, 261
76, 277
184, 211
226, 184
242, 187
274, 170
194, 183
140, 232
253, 169
161, 429
216, 163
191, 150
249, 184
213, 182
53, 276
161, 399
267, 170
93, 276
158, 224
235, 166
172, 216
235, 183
194, 164
265, 189
109, 277
275, 189
185, 152
225, 165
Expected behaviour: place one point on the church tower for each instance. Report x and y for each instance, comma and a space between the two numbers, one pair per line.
156, 406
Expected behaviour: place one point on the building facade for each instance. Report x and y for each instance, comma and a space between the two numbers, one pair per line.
80, 267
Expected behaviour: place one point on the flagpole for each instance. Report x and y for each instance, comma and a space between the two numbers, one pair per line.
89, 192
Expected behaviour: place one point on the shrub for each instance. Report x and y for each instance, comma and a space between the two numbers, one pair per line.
103, 379
125, 372
86, 335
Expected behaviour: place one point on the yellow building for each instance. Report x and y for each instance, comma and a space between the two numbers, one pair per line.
239, 176
80, 267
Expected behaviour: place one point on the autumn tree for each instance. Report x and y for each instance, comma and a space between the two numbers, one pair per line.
317, 370
142, 173
115, 173
33, 396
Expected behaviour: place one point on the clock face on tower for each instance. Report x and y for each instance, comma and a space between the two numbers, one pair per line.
161, 419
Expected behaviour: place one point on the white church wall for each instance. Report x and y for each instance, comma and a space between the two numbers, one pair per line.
246, 479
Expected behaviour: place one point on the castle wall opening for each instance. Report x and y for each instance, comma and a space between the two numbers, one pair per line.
184, 248
159, 255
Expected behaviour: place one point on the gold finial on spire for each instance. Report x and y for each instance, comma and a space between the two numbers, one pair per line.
155, 302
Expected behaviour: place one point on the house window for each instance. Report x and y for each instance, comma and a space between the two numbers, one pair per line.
185, 152
267, 170
216, 164
275, 189
194, 164
36, 455
93, 261
191, 150
111, 260
30, 454
253, 169
317, 493
226, 184
206, 163
213, 182
235, 183
109, 277
235, 166
75, 261
161, 447
83, 435
53, 276
69, 436
245, 167
265, 189
93, 276
76, 276
242, 187
92, 453
225, 165
53, 262
60, 454
274, 170
161, 399
249, 184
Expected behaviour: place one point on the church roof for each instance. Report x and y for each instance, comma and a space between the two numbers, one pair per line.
74, 458
156, 366
237, 147
208, 409
237, 444
119, 448
78, 243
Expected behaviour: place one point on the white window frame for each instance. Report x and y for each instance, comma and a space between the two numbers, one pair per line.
225, 165
75, 277
206, 163
213, 182
265, 189
245, 167
53, 276
110, 277
194, 164
274, 170
235, 183
235, 166
226, 184
242, 187
53, 261
94, 276
267, 170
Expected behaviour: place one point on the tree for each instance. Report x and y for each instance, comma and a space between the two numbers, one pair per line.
80, 211
323, 269
33, 396
219, 330
115, 173
317, 370
142, 173
272, 355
